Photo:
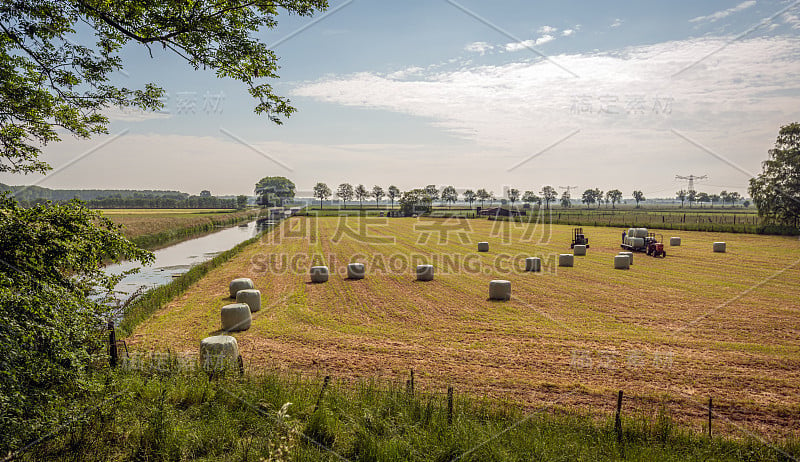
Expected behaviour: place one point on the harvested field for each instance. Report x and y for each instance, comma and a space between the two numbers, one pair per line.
669, 332
142, 222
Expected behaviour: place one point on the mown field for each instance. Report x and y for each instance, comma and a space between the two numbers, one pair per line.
669, 332
153, 227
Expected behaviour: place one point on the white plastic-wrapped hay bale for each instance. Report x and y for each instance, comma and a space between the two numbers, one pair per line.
719, 247
566, 259
636, 242
629, 255
424, 272
675, 241
218, 352
235, 317
319, 274
533, 264
640, 232
483, 246
579, 250
356, 271
499, 289
251, 297
622, 262
240, 284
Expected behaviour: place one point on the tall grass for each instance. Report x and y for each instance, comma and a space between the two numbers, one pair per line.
173, 414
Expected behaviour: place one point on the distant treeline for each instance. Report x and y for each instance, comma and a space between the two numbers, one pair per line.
32, 193
122, 198
163, 202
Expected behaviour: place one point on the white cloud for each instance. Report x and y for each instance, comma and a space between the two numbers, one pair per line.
547, 30
724, 13
791, 19
737, 99
479, 47
617, 22
517, 46
405, 73
567, 32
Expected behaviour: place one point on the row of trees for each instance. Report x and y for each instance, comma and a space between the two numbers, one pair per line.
449, 195
725, 197
160, 202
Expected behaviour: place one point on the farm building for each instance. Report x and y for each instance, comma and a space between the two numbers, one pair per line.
501, 212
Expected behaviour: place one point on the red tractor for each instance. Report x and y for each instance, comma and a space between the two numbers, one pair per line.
655, 247
640, 240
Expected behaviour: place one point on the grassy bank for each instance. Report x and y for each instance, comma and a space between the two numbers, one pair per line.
151, 229
169, 414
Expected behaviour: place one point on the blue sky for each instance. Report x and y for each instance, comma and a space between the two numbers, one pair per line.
474, 94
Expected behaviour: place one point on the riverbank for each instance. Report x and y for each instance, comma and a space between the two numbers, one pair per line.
153, 229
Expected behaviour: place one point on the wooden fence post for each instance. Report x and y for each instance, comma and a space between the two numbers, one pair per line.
709, 417
112, 345
450, 405
322, 391
618, 418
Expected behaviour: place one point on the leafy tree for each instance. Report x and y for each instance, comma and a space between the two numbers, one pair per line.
415, 201
703, 197
598, 196
491, 198
361, 194
241, 201
469, 197
321, 192
713, 198
449, 195
614, 195
393, 193
734, 197
273, 190
588, 197
432, 193
725, 196
530, 197
345, 193
52, 82
205, 193
691, 197
746, 204
513, 195
377, 193
681, 195
51, 258
483, 196
566, 200
549, 194
638, 196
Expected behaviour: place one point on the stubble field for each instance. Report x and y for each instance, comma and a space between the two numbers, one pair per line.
669, 332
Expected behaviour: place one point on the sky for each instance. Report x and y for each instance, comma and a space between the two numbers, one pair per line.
495, 95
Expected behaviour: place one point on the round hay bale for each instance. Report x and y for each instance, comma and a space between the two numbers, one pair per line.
356, 271
674, 241
566, 259
629, 255
240, 284
235, 317
622, 262
636, 242
319, 274
252, 297
533, 264
483, 246
579, 250
640, 232
218, 352
719, 247
424, 272
499, 289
